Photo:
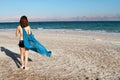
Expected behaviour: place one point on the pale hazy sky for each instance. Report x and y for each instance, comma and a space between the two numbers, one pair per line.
11, 10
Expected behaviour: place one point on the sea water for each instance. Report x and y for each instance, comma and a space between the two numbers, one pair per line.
107, 26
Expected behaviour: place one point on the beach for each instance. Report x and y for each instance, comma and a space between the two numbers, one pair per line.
76, 55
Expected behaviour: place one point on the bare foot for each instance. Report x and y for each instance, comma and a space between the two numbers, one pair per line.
22, 67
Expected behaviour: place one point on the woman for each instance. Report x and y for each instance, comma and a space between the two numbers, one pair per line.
23, 51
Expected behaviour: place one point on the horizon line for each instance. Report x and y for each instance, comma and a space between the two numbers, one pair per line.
59, 21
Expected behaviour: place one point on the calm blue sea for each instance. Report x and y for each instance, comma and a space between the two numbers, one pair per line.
108, 26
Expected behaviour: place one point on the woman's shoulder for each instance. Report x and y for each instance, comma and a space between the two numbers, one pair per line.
19, 26
27, 27
24, 27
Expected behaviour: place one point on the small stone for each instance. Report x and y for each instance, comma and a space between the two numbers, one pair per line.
97, 78
87, 78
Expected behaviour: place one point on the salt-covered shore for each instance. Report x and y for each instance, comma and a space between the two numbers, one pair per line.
76, 55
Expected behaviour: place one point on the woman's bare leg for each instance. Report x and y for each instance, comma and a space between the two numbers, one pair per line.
26, 59
22, 52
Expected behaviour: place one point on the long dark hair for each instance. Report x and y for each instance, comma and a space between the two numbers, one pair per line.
24, 21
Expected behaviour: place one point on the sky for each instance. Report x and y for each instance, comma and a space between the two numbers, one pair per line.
53, 10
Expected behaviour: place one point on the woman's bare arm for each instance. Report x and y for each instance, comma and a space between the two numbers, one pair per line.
17, 31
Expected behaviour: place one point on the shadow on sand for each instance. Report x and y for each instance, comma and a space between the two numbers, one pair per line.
13, 56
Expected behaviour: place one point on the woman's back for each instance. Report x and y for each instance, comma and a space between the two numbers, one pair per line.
19, 31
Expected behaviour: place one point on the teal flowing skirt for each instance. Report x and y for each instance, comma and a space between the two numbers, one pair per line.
31, 43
